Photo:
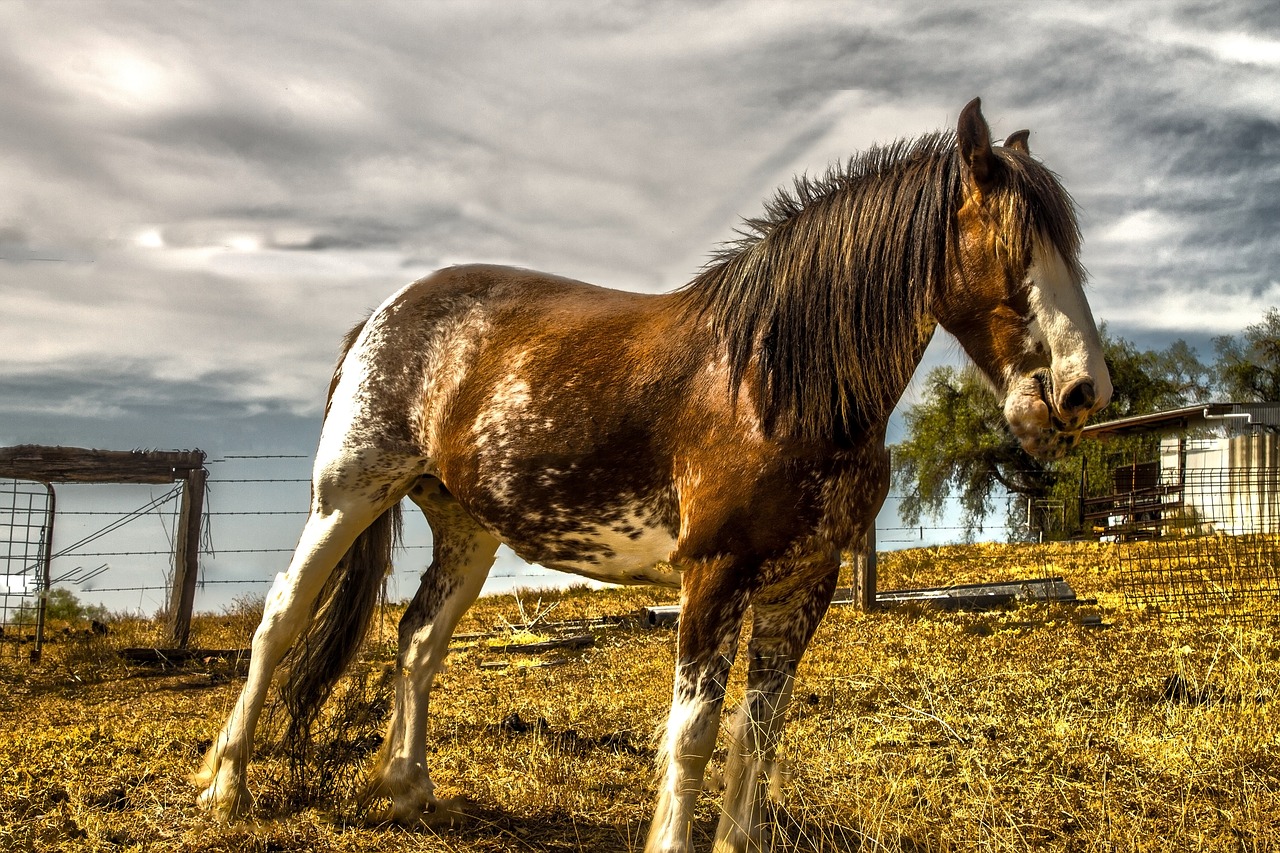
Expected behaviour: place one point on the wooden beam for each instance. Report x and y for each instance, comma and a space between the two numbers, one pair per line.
984, 596
660, 614
179, 656
578, 641
79, 465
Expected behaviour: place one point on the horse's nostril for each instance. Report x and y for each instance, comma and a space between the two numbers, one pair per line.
1080, 398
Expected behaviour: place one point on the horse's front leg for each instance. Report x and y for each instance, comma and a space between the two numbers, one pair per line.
712, 606
782, 623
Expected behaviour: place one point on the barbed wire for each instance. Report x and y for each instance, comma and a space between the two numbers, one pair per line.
246, 581
227, 456
262, 480
888, 535
250, 512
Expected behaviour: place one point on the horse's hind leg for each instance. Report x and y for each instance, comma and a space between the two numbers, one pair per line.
339, 514
463, 554
780, 632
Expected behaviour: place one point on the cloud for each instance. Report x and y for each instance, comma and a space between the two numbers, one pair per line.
198, 204
203, 192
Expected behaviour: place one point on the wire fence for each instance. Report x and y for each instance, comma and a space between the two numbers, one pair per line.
255, 504
1199, 541
123, 560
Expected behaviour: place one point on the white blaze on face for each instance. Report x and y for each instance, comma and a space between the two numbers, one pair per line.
1062, 332
1063, 325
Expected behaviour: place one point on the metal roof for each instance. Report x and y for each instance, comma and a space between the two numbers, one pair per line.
1233, 417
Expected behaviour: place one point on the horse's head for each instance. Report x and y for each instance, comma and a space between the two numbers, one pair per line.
1014, 295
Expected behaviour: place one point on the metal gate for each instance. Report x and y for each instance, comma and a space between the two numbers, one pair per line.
26, 540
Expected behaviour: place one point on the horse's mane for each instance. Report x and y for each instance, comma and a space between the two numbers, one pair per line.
828, 292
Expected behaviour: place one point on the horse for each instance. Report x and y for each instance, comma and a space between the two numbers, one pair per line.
726, 438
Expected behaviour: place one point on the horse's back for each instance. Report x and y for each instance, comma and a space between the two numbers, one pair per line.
540, 402
506, 292
459, 329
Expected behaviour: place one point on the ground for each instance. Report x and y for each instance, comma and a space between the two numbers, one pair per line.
912, 730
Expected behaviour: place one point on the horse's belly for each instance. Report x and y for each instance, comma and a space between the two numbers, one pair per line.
625, 551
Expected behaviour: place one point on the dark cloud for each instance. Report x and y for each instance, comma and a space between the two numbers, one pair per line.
127, 406
16, 248
297, 152
197, 204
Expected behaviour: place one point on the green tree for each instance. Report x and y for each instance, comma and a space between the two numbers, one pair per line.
61, 605
958, 445
1248, 370
1147, 381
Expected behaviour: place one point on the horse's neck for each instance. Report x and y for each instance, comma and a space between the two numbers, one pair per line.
877, 410
827, 348
872, 411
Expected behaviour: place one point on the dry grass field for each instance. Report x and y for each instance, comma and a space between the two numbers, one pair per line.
912, 730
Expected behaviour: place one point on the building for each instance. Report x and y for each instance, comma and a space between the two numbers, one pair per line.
1218, 471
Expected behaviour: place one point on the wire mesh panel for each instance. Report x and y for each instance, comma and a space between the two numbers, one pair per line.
1210, 543
25, 516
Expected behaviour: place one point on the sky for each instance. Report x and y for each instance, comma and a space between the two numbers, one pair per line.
198, 199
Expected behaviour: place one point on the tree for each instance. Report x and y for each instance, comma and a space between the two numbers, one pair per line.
1248, 371
1146, 381
61, 605
957, 442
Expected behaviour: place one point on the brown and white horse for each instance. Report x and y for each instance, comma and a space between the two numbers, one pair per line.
726, 438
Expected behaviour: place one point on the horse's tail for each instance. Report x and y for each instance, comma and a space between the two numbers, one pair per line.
342, 613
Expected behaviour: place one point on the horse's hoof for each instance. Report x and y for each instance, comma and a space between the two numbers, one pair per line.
433, 813
446, 812
400, 814
225, 801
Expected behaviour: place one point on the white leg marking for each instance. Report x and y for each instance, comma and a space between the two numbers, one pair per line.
752, 755
450, 587
690, 738
324, 540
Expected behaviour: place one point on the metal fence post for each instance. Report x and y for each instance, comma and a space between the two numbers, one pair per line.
42, 602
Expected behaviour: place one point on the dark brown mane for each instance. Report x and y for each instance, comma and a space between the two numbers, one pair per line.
828, 291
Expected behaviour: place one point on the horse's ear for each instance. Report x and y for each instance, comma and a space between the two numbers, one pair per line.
974, 138
1018, 141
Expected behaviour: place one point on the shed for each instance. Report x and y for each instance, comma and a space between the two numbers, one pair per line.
1216, 471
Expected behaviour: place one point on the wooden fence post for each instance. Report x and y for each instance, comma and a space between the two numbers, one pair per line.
864, 571
864, 561
186, 558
